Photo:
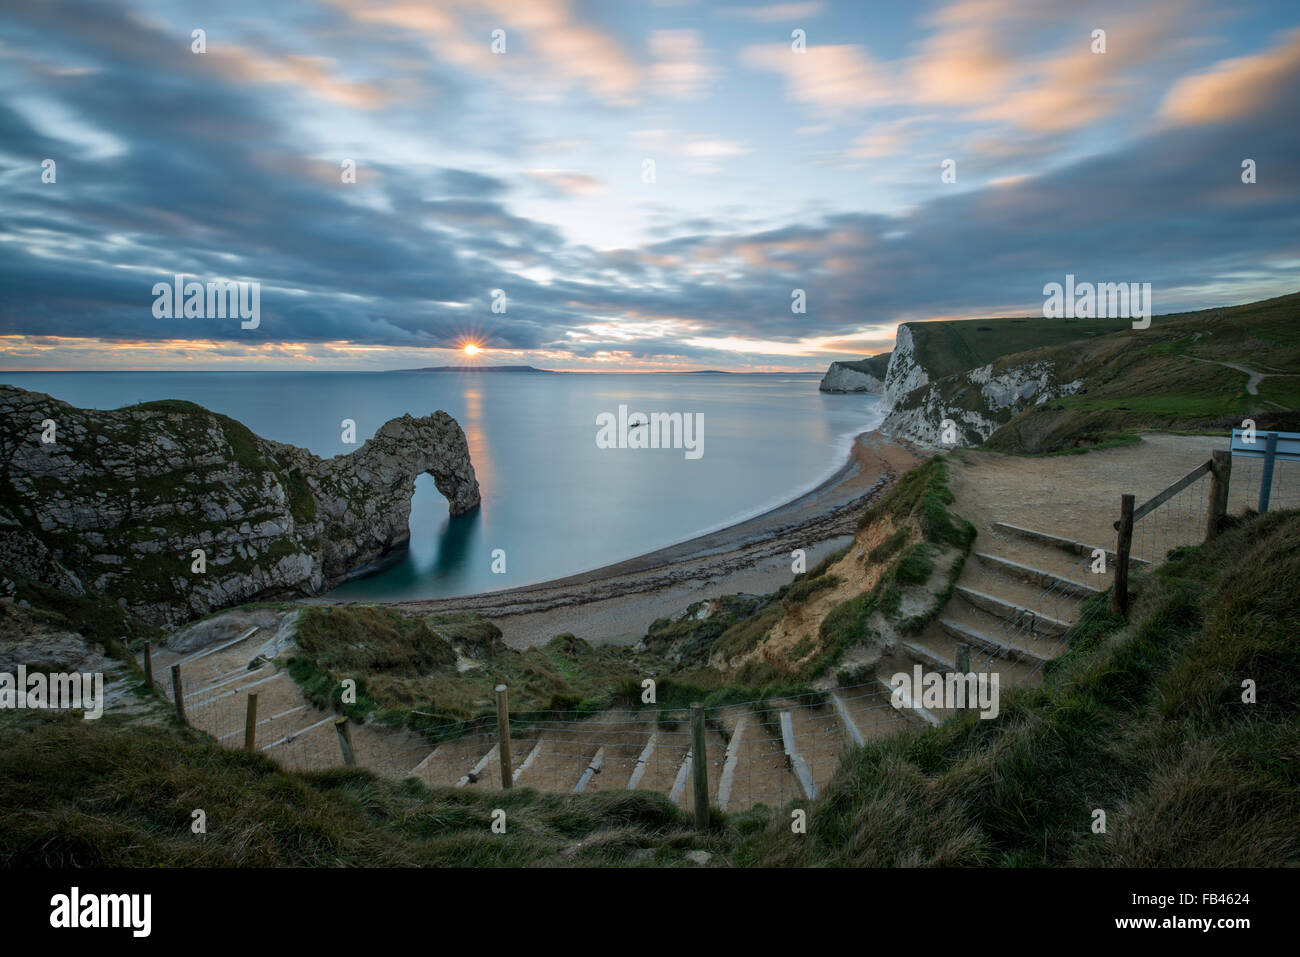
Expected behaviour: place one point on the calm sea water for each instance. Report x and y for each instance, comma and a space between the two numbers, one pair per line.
553, 501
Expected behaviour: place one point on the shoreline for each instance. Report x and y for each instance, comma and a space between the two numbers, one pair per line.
615, 604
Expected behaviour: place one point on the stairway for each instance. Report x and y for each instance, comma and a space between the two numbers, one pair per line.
1013, 604
1018, 595
217, 681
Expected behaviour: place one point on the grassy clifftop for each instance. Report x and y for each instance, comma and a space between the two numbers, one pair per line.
871, 365
949, 347
1047, 385
1177, 374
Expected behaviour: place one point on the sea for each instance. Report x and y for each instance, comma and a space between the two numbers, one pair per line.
555, 502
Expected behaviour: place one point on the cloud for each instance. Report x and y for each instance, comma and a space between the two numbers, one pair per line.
556, 47
704, 153
981, 59
466, 183
308, 73
680, 70
773, 12
961, 65
569, 183
829, 78
1238, 87
884, 139
1025, 67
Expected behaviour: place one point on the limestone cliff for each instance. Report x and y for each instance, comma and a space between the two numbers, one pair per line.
865, 375
981, 373
118, 502
905, 371
978, 401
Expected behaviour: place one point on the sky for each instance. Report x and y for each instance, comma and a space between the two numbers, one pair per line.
632, 186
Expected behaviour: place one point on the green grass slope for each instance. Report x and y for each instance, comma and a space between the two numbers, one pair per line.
1168, 377
945, 348
871, 365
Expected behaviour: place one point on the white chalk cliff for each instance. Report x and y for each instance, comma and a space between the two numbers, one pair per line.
978, 401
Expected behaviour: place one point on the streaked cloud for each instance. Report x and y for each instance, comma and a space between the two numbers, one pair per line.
683, 68
774, 12
570, 183
829, 78
1238, 87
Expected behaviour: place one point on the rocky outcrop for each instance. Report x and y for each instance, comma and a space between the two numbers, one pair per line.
118, 503
864, 375
977, 402
905, 372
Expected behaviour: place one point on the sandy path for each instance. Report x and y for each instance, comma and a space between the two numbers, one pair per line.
1075, 497
1253, 378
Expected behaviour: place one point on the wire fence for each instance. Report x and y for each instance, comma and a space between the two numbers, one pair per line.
767, 751
1247, 477
297, 735
1179, 521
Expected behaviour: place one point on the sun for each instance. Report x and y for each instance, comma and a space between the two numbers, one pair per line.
471, 349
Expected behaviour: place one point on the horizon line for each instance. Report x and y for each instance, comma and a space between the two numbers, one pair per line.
449, 369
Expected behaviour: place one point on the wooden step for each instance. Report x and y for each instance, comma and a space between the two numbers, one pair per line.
797, 763
592, 770
1013, 614
990, 644
729, 764
527, 761
926, 656
1047, 579
850, 726
912, 707
476, 772
1065, 544
638, 770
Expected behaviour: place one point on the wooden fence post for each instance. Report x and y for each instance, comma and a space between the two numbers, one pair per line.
1266, 480
1123, 545
701, 767
1220, 475
503, 736
963, 658
250, 723
148, 664
345, 740
178, 691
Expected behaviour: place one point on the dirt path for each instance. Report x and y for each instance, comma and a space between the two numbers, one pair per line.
1073, 496
1252, 383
